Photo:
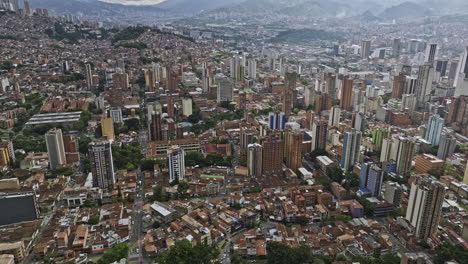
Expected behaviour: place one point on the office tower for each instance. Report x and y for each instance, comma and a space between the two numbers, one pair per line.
120, 81
461, 76
371, 178
382, 54
441, 68
336, 50
252, 69
293, 149
272, 156
254, 159
187, 106
89, 75
319, 134
335, 116
423, 86
246, 138
430, 55
27, 8
322, 102
55, 148
206, 78
365, 49
330, 85
392, 193
116, 114
276, 121
435, 124
225, 88
346, 99
447, 145
403, 152
150, 80
396, 48
155, 126
399, 84
351, 149
289, 87
100, 154
176, 163
107, 128
425, 206
170, 105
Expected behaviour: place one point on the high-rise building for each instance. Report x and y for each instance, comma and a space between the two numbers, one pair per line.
371, 178
107, 128
289, 87
187, 107
89, 74
435, 124
431, 51
465, 178
293, 149
276, 120
378, 135
225, 88
319, 134
27, 8
403, 151
346, 99
461, 76
173, 82
335, 116
155, 127
176, 163
246, 138
120, 81
150, 80
170, 105
447, 145
393, 192
365, 49
399, 84
396, 48
254, 159
100, 153
322, 102
7, 153
237, 67
351, 149
252, 69
272, 156
425, 206
358, 121
423, 86
330, 85
386, 152
55, 148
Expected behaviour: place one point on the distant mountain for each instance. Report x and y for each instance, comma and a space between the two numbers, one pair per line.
94, 8
366, 17
406, 10
194, 6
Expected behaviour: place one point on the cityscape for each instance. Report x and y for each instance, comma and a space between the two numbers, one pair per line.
233, 131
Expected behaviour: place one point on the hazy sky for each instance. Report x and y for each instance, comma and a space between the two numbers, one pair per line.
134, 2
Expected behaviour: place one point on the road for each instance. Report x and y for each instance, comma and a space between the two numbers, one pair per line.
136, 231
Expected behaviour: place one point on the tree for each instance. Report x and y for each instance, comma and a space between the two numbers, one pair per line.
184, 252
301, 220
93, 220
156, 224
148, 164
447, 251
280, 254
182, 188
336, 174
435, 173
116, 253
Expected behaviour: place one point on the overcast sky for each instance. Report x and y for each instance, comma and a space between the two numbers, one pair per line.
135, 2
